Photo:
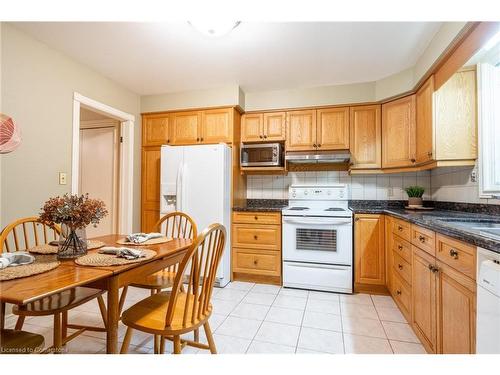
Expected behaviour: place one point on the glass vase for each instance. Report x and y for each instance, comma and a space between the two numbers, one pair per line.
72, 242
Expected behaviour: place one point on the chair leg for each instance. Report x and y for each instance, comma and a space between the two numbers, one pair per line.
162, 345
20, 323
197, 335
123, 296
156, 342
177, 344
126, 341
57, 334
102, 309
210, 338
64, 325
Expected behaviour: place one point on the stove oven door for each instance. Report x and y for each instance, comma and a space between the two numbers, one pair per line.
325, 240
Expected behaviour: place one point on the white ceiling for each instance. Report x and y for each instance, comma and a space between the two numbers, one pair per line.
153, 58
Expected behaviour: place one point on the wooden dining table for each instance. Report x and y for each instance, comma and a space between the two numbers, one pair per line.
111, 278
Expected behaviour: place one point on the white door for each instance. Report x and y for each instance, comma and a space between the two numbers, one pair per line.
99, 174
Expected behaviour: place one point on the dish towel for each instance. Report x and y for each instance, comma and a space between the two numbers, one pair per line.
122, 252
16, 258
142, 237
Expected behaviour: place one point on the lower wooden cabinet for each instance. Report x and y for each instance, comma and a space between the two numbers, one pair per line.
256, 247
369, 252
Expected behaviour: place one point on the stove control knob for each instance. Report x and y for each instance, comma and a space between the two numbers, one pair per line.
305, 192
294, 195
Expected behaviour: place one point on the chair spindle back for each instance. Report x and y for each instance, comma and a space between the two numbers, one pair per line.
26, 233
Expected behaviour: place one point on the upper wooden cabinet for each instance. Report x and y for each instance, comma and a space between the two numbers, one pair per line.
186, 128
369, 250
217, 126
274, 126
263, 127
425, 126
398, 133
332, 130
301, 130
155, 130
252, 127
365, 135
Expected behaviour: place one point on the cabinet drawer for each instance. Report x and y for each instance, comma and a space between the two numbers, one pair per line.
257, 217
401, 228
401, 293
423, 238
402, 268
402, 248
257, 236
257, 262
456, 254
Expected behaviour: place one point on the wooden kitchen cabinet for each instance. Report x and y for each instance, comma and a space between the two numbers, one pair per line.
256, 247
424, 298
369, 252
274, 126
398, 133
155, 130
424, 122
365, 137
186, 128
332, 130
217, 126
301, 130
263, 127
252, 127
150, 188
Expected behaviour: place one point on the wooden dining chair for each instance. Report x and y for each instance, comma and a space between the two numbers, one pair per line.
20, 342
186, 307
25, 233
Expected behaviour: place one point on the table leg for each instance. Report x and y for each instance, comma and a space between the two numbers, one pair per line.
2, 315
113, 317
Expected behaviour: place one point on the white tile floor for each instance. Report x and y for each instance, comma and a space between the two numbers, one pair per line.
257, 318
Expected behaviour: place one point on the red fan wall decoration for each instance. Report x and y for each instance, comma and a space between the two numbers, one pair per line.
10, 135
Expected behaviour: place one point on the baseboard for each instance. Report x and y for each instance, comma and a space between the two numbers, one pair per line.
371, 289
274, 280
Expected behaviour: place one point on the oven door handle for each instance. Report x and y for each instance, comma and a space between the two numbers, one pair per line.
325, 266
316, 222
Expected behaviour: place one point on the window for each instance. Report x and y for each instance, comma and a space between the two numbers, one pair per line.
489, 123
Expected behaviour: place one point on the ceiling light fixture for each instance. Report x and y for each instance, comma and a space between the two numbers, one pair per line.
214, 29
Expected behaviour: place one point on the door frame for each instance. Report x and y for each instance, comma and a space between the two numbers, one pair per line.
126, 157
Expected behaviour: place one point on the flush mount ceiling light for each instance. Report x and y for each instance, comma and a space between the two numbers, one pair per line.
214, 28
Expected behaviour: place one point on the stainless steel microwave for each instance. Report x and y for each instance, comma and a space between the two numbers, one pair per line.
261, 155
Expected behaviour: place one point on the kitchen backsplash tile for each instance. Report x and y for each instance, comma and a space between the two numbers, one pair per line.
362, 187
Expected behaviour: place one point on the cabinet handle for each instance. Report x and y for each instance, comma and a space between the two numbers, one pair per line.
400, 266
400, 228
429, 153
412, 160
400, 247
261, 136
265, 136
255, 217
315, 145
454, 253
398, 292
319, 145
421, 239
255, 262
357, 219
197, 139
201, 139
168, 140
255, 237
433, 268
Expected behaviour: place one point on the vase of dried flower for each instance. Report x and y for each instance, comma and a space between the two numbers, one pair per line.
72, 242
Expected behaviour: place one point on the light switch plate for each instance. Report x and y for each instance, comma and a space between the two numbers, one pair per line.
62, 178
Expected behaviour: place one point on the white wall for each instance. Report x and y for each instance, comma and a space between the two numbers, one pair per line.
37, 86
367, 187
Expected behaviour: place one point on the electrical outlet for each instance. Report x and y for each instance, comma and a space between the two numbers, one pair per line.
390, 192
62, 178
473, 176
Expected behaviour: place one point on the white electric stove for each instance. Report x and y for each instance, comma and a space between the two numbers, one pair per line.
317, 239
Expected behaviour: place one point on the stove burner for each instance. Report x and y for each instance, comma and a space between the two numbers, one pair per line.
334, 209
298, 208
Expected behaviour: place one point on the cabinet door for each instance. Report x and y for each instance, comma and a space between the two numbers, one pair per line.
332, 130
216, 126
369, 251
456, 312
148, 220
424, 299
365, 133
150, 186
398, 133
274, 126
424, 129
252, 127
155, 130
186, 128
301, 130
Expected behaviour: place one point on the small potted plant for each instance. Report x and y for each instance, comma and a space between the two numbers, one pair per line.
415, 194
74, 213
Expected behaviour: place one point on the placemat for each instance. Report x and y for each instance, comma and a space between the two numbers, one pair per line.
153, 241
40, 265
96, 259
49, 249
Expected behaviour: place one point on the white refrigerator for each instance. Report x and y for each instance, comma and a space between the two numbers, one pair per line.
197, 180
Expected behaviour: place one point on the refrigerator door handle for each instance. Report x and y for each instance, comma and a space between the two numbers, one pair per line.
178, 188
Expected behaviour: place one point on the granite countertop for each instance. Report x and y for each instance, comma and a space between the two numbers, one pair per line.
432, 220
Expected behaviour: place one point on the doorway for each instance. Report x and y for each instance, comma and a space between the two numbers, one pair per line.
99, 166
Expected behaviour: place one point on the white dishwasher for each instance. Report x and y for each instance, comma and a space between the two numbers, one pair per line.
488, 302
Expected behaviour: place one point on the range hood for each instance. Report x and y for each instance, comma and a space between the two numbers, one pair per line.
308, 157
